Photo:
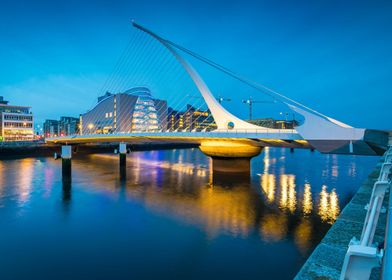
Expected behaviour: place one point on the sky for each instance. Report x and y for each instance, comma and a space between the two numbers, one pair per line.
333, 56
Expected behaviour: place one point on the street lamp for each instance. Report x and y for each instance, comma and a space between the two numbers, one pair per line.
90, 126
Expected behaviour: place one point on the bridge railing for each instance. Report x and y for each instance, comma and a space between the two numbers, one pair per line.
362, 255
266, 131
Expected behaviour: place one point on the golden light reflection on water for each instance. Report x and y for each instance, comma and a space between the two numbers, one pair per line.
288, 199
273, 227
226, 210
284, 193
268, 185
24, 182
307, 205
231, 210
328, 209
302, 235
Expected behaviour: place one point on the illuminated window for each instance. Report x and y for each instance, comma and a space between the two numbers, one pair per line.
145, 117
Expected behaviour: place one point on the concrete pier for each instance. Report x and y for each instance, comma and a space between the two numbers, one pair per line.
230, 156
66, 158
327, 259
122, 151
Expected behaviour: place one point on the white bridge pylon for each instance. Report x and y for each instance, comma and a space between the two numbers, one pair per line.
223, 119
317, 128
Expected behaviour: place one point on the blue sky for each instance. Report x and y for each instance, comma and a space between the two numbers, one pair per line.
334, 56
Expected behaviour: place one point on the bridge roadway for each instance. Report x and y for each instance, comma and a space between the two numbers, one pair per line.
273, 138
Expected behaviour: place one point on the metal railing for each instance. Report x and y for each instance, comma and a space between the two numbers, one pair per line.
290, 134
363, 255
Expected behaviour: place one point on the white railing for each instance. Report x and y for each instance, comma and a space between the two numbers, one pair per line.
266, 131
363, 255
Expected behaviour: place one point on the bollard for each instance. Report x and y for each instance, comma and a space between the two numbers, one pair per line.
66, 156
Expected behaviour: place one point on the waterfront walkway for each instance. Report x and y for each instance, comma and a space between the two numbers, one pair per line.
327, 259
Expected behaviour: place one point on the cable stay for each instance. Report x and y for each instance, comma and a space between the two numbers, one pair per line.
257, 86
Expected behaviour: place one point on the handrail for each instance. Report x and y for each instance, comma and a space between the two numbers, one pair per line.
368, 229
387, 260
363, 255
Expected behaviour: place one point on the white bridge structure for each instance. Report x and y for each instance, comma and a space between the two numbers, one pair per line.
237, 138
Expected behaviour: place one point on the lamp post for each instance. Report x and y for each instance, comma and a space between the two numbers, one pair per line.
90, 127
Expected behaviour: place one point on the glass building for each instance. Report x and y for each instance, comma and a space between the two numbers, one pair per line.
134, 110
145, 116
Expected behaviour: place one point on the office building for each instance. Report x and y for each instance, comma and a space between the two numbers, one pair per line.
190, 119
16, 122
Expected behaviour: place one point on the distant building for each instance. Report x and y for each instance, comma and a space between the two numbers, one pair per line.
277, 124
191, 119
68, 126
131, 111
16, 122
51, 128
65, 126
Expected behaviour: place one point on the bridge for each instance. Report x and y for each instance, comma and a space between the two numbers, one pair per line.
231, 138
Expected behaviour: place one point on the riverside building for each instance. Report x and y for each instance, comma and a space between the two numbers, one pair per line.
16, 122
134, 110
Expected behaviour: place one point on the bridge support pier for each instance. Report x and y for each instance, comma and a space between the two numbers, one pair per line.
230, 156
66, 159
123, 160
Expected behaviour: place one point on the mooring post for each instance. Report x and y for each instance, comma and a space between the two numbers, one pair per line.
66, 156
123, 160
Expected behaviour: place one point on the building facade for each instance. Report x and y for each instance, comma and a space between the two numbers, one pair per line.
68, 126
51, 128
134, 110
276, 124
191, 119
63, 127
16, 122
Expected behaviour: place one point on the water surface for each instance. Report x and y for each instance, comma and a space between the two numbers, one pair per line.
172, 218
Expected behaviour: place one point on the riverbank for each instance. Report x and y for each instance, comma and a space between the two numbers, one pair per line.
36, 149
327, 259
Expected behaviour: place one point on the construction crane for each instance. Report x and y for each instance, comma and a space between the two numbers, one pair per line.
221, 99
250, 102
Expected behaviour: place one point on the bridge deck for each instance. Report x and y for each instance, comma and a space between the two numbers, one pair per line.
275, 138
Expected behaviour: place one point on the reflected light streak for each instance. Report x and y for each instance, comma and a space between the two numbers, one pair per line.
266, 160
302, 236
328, 205
268, 186
24, 182
307, 205
288, 199
273, 227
